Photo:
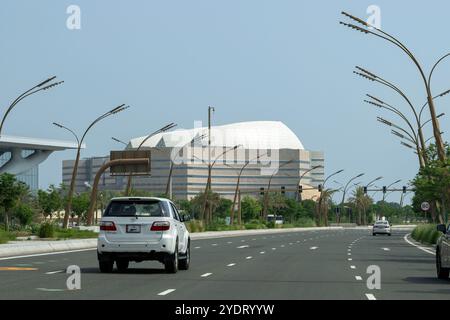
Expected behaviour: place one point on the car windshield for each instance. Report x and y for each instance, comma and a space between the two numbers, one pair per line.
136, 208
382, 223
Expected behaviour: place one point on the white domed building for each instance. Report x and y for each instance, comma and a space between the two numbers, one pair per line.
269, 150
273, 152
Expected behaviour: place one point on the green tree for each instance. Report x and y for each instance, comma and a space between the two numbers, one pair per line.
24, 213
11, 191
361, 203
250, 208
80, 205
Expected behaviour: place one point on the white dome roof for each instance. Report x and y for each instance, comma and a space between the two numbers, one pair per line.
248, 135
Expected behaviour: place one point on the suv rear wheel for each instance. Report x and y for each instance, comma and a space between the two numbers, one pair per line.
186, 258
442, 273
171, 261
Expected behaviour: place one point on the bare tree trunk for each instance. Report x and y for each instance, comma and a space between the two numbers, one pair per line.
6, 221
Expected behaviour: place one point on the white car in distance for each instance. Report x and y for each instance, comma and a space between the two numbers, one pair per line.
140, 229
381, 227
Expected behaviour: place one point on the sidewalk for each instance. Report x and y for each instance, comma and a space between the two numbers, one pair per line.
22, 248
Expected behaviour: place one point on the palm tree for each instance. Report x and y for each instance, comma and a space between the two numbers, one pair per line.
323, 205
361, 201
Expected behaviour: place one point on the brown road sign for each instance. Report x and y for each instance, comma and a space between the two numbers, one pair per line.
135, 169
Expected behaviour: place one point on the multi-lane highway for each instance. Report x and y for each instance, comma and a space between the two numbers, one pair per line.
329, 264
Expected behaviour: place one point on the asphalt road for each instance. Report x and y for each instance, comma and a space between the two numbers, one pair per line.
328, 264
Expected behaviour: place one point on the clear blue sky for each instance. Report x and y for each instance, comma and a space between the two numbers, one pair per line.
253, 60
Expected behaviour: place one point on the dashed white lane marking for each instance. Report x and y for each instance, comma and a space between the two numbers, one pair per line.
242, 240
253, 239
282, 246
165, 293
206, 275
349, 254
262, 252
214, 244
350, 259
290, 243
274, 248
229, 242
242, 247
54, 272
352, 267
248, 258
231, 265
50, 290
45, 254
386, 249
197, 247
415, 245
298, 241
370, 296
314, 248
359, 278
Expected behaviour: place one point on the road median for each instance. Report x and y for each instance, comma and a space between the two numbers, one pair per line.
23, 248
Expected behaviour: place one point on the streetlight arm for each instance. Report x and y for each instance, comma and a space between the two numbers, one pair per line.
71, 131
434, 67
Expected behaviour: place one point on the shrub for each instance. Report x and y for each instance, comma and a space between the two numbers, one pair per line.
6, 236
426, 233
47, 230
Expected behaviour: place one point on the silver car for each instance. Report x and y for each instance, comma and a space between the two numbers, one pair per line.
381, 227
443, 252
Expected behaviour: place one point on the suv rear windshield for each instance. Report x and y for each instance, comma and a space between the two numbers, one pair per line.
137, 208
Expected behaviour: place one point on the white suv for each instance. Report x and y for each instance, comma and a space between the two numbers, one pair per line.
138, 229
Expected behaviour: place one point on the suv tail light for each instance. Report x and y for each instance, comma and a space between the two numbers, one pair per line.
107, 226
160, 226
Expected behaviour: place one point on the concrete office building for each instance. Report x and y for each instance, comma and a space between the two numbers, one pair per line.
275, 150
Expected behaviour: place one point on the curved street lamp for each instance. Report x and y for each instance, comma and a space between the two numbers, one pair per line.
37, 88
68, 208
238, 184
119, 141
172, 163
208, 182
345, 191
266, 194
372, 30
161, 130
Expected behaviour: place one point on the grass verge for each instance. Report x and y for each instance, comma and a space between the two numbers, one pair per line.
426, 234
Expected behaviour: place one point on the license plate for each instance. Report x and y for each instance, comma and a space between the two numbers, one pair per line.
132, 228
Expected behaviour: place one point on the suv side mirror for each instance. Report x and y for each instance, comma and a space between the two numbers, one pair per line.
186, 217
442, 228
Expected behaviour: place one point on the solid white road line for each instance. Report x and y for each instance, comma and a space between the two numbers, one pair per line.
46, 254
370, 296
206, 275
358, 278
415, 245
50, 290
54, 272
231, 265
165, 293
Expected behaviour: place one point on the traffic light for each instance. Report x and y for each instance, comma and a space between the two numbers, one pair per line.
283, 190
261, 193
300, 189
320, 188
365, 190
404, 190
384, 190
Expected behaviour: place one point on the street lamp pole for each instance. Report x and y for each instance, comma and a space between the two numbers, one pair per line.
238, 184
323, 188
40, 87
208, 183
163, 129
266, 194
68, 208
370, 29
298, 196
345, 191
